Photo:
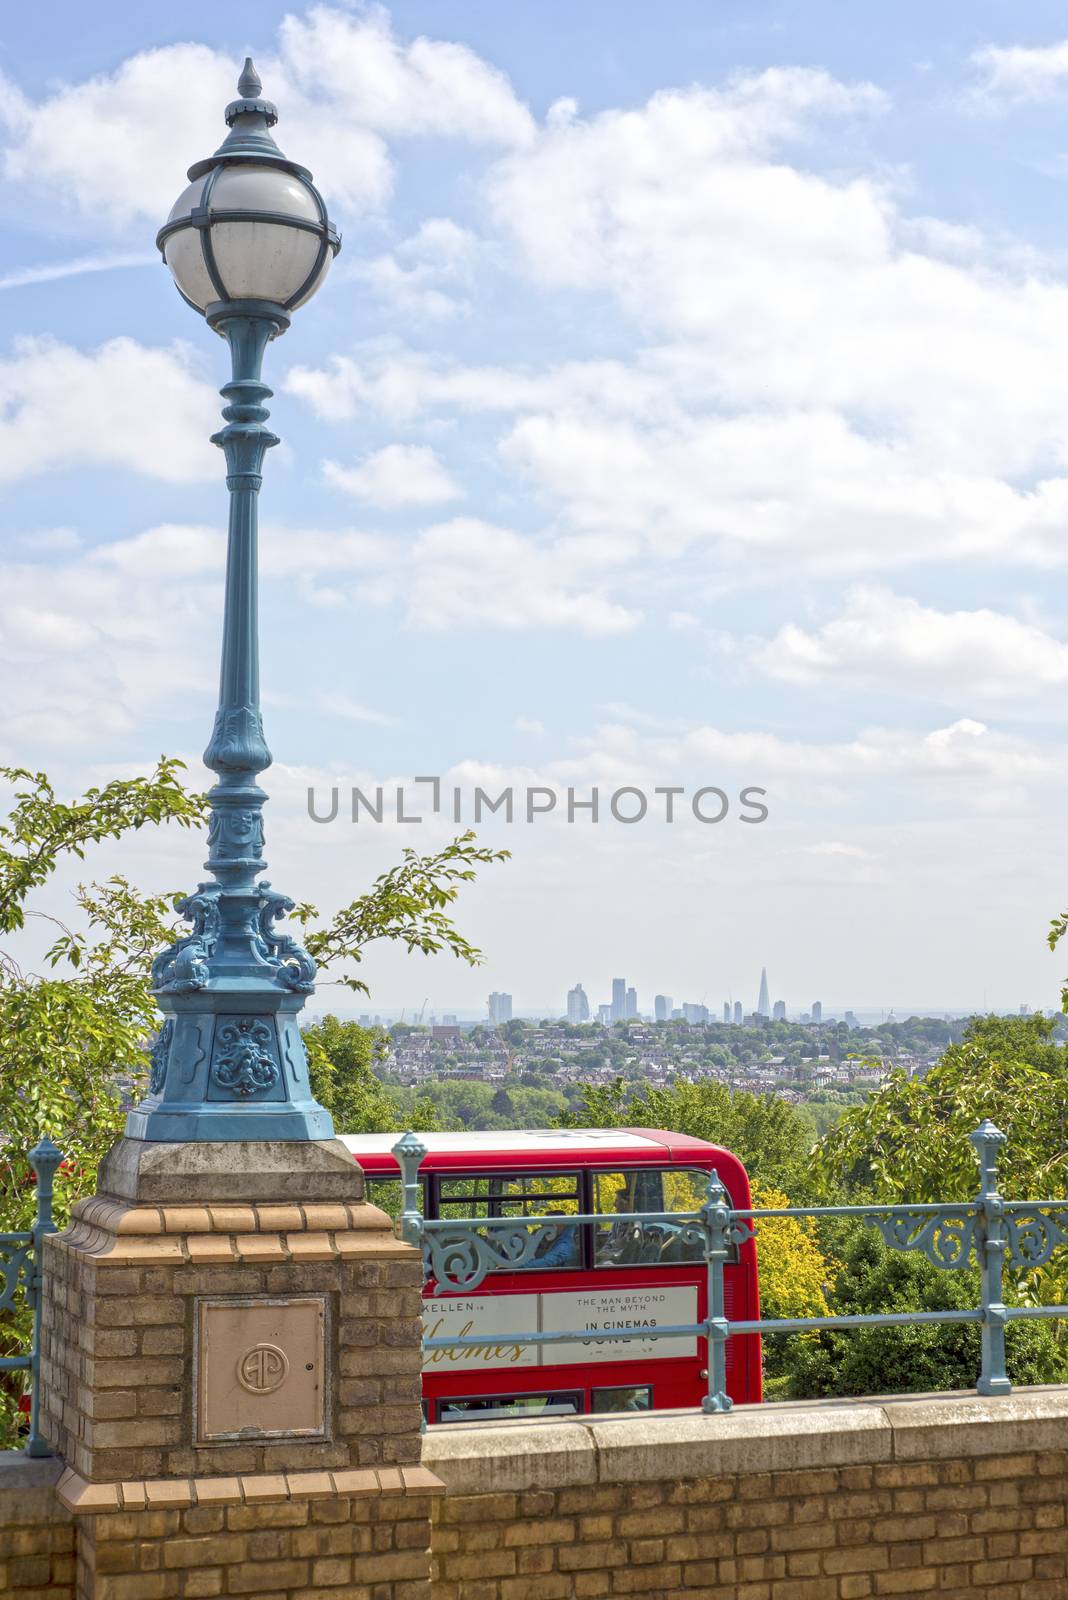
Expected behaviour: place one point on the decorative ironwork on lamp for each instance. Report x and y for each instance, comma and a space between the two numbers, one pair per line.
248, 242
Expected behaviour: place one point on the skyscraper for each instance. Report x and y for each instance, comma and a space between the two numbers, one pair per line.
632, 1003
604, 1015
500, 1007
817, 1010
738, 1013
763, 1004
662, 1007
619, 999
578, 1006
778, 1013
726, 1011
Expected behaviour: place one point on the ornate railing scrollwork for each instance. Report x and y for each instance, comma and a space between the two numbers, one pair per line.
1032, 1235
16, 1261
947, 1240
459, 1258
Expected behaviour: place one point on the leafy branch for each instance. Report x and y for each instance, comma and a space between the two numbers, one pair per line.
407, 904
40, 830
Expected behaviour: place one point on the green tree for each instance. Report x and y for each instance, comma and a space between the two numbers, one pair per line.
910, 1139
770, 1137
407, 905
873, 1279
342, 1058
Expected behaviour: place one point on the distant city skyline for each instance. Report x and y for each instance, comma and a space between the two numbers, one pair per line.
625, 1004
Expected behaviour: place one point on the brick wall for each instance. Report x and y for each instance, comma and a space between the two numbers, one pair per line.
347, 1547
36, 1533
955, 1498
949, 1496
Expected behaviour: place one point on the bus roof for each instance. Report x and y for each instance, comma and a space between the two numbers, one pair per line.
530, 1144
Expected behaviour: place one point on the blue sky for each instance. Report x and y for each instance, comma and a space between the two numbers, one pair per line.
687, 406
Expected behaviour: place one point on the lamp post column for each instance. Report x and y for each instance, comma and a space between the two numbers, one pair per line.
229, 1063
229, 1332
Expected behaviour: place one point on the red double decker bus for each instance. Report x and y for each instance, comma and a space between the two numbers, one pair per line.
593, 1277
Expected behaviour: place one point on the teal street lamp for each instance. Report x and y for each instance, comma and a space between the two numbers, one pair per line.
248, 242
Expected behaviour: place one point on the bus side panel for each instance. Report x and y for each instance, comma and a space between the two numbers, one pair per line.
676, 1381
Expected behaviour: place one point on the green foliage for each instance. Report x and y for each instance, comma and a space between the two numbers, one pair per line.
873, 1279
465, 1103
770, 1137
408, 904
65, 1037
41, 831
341, 1063
909, 1140
793, 1273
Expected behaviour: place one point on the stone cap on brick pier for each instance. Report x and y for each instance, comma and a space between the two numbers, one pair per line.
83, 1498
118, 1234
270, 1170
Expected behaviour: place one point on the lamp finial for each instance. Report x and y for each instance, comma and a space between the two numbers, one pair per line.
249, 86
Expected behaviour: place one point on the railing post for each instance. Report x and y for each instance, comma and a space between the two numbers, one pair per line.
717, 1225
45, 1159
409, 1152
993, 1379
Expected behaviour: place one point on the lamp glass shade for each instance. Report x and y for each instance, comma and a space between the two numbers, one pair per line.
183, 254
263, 257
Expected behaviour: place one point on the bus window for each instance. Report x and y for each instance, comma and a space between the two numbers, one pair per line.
495, 1408
624, 1242
526, 1194
620, 1399
388, 1194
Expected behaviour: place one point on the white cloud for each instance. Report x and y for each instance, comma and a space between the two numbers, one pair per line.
115, 146
964, 749
86, 627
122, 404
342, 705
431, 87
1016, 73
892, 640
421, 278
468, 573
529, 725
398, 475
837, 847
404, 385
102, 654
799, 301
801, 484
53, 271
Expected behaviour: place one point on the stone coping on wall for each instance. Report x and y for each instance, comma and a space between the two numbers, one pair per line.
253, 1489
496, 1457
28, 1489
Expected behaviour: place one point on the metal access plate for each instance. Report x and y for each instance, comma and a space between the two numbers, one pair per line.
260, 1369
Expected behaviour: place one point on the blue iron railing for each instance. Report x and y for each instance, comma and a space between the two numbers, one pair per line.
990, 1232
20, 1275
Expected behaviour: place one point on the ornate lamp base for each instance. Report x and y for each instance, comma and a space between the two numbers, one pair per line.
236, 1071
